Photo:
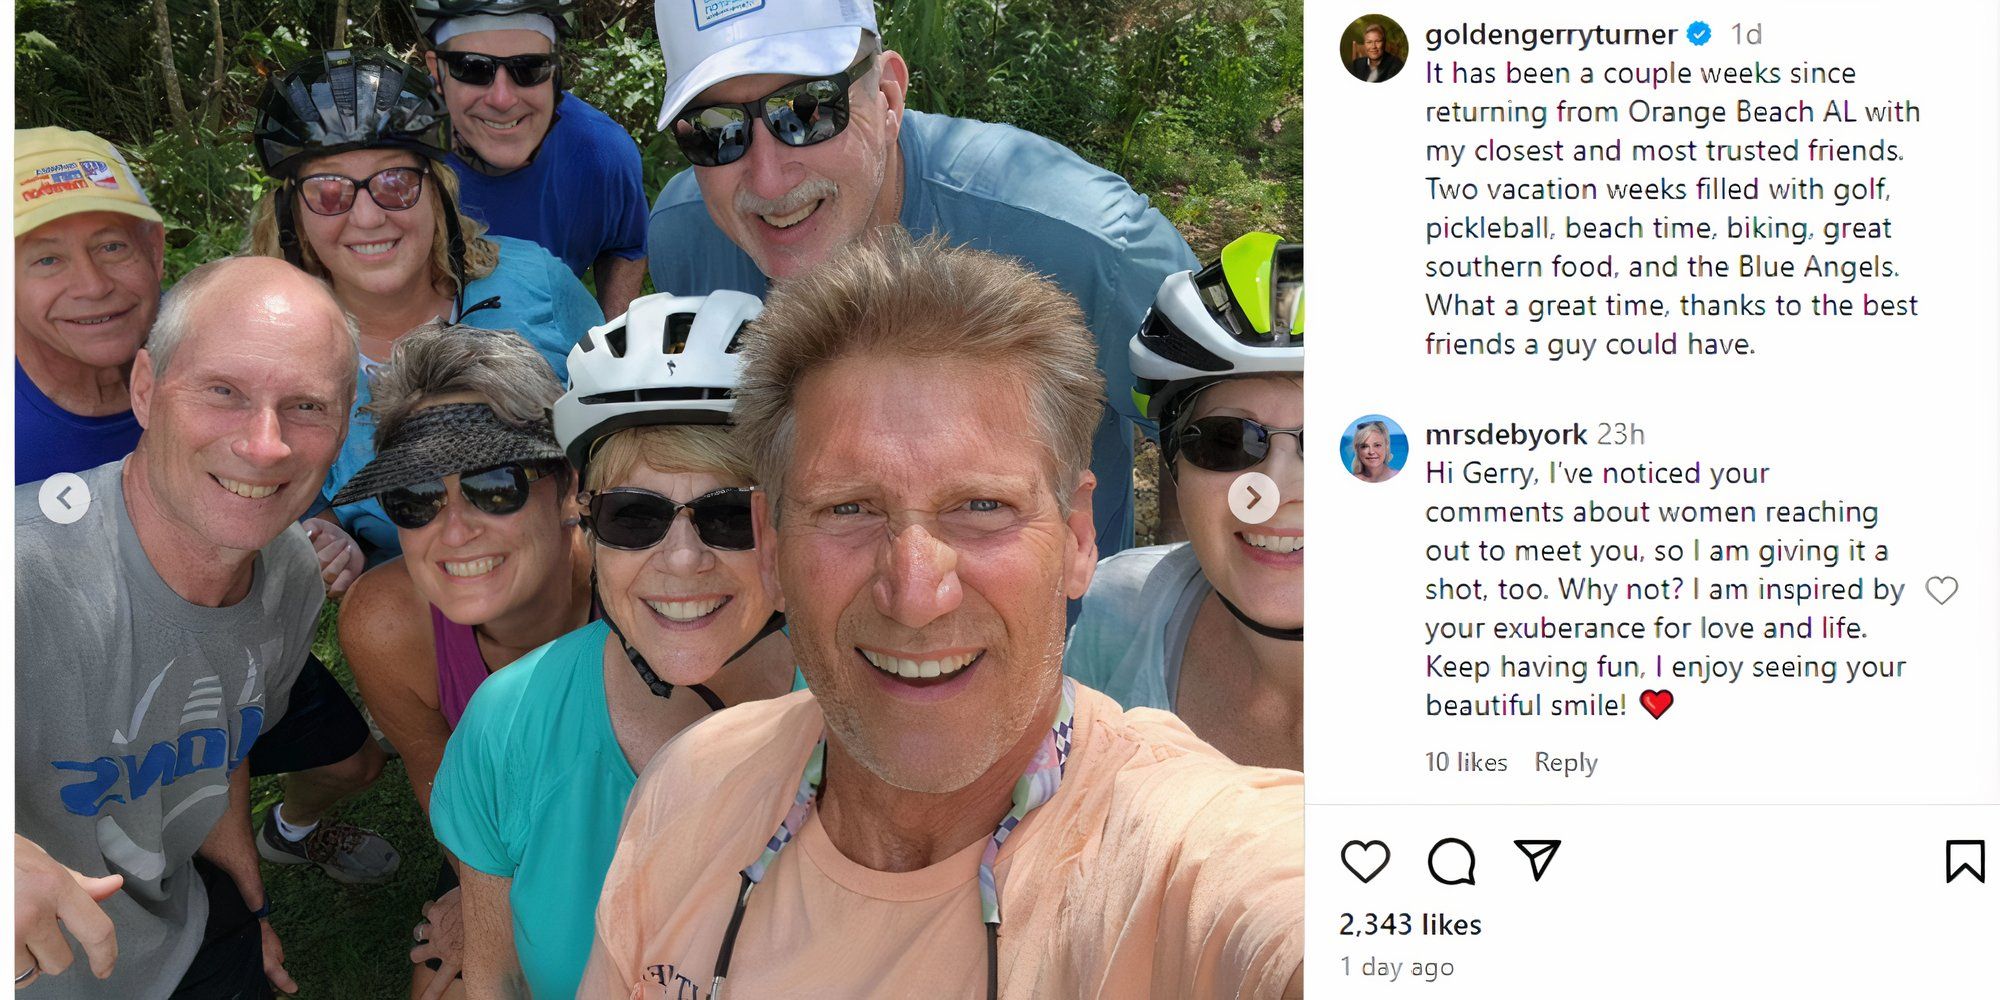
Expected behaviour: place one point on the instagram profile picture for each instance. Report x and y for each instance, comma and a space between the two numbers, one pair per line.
1376, 47
1374, 448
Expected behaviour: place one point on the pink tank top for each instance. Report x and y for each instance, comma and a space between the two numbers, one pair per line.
460, 667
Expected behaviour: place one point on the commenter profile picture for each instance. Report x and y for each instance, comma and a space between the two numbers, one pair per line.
1374, 448
1375, 48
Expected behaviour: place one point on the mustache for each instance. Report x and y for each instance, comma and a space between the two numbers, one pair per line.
791, 201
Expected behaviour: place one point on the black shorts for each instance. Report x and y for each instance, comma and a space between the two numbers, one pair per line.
230, 964
321, 726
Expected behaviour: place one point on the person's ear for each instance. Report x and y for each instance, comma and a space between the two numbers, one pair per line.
1081, 550
895, 85
142, 388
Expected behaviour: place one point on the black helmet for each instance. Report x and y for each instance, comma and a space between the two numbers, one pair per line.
430, 12
344, 99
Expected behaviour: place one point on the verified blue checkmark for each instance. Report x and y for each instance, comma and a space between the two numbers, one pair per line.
1698, 33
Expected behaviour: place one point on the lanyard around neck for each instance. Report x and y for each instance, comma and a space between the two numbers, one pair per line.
1037, 785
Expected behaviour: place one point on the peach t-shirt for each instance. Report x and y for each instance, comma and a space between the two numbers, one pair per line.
1159, 869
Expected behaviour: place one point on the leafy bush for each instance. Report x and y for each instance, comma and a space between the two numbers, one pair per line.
1198, 102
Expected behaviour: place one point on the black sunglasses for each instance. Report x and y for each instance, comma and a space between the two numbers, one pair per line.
1232, 444
394, 190
499, 491
478, 69
798, 114
633, 519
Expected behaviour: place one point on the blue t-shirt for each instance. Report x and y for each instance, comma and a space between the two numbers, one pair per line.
997, 188
580, 198
539, 299
532, 788
49, 439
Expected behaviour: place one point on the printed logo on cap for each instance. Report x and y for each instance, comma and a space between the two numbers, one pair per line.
100, 173
56, 178
709, 13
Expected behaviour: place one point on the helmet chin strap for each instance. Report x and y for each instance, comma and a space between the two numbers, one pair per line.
652, 680
288, 234
455, 248
1267, 631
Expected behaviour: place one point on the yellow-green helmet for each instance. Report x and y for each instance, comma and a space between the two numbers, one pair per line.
1244, 314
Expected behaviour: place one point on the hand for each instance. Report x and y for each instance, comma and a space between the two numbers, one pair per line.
340, 559
274, 960
440, 936
46, 893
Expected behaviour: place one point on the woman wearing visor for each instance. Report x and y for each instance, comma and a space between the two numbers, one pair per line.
535, 778
356, 139
467, 469
1212, 628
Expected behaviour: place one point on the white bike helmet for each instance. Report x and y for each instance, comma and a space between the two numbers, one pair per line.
669, 360
1244, 314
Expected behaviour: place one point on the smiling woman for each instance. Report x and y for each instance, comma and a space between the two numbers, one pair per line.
363, 203
1211, 629
534, 782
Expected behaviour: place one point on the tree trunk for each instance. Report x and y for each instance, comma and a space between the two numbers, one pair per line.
170, 79
213, 100
340, 25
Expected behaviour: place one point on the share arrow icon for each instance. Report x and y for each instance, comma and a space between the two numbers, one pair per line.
1540, 853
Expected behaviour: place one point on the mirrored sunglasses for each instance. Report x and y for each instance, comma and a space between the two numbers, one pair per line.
498, 491
803, 113
394, 189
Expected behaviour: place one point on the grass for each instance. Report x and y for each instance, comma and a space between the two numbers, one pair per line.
352, 942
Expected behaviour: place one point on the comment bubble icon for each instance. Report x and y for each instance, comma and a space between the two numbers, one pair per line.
1451, 862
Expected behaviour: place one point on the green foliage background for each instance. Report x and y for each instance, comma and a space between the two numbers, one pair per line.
1199, 103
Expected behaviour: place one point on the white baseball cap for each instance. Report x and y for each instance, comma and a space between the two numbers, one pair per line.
709, 41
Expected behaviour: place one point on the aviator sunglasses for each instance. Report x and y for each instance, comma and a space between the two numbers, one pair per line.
804, 113
633, 519
1232, 444
498, 491
478, 69
394, 190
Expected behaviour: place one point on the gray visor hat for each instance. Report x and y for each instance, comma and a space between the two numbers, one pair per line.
449, 440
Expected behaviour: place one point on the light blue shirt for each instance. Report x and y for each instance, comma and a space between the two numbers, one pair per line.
997, 188
539, 299
1131, 635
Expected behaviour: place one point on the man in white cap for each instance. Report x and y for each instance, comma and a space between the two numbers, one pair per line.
836, 154
88, 253
533, 160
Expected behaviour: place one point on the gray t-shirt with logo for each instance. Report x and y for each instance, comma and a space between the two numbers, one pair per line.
132, 707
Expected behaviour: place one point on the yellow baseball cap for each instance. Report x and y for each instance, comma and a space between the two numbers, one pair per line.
59, 173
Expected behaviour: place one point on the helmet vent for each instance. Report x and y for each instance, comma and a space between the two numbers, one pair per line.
1160, 338
654, 394
679, 326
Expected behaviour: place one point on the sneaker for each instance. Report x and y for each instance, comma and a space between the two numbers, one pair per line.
347, 853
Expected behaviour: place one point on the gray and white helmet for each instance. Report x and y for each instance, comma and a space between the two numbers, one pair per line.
671, 359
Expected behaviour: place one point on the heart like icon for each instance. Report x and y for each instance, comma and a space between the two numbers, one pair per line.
1942, 588
1365, 860
1656, 702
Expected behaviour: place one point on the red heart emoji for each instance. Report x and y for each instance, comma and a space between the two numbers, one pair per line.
1656, 702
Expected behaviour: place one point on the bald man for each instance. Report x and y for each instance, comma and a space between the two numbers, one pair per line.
166, 602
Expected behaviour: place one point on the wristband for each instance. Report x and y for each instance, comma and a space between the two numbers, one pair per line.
262, 912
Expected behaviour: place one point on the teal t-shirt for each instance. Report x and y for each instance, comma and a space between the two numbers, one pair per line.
532, 788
